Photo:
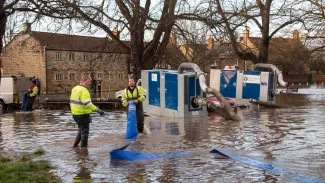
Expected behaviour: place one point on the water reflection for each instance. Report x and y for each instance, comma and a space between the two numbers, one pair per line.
290, 138
84, 174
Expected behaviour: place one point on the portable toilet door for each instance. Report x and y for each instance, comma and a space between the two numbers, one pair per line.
251, 85
228, 81
171, 91
154, 88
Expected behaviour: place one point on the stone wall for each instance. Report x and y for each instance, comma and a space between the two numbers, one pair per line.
112, 69
24, 56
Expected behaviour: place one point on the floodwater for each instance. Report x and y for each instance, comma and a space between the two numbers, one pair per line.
290, 138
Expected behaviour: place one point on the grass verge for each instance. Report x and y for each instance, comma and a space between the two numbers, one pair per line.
24, 169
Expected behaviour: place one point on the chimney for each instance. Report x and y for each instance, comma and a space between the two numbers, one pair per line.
173, 39
246, 33
210, 42
27, 27
295, 34
116, 32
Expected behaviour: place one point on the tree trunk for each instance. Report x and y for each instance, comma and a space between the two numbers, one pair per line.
3, 21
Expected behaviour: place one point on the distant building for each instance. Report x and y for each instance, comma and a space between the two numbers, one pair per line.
59, 60
286, 53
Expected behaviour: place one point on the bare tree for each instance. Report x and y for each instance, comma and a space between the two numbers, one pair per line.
269, 17
135, 20
317, 61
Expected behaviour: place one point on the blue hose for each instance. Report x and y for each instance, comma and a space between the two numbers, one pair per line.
269, 167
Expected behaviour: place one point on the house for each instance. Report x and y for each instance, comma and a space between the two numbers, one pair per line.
288, 54
204, 55
59, 60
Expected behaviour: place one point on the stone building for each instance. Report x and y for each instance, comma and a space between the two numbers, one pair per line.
59, 60
289, 54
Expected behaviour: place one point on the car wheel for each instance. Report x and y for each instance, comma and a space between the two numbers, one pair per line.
2, 105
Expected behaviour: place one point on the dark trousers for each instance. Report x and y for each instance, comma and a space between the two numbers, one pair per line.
83, 129
28, 102
140, 117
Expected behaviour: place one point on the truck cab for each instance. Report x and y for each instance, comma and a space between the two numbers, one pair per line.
12, 90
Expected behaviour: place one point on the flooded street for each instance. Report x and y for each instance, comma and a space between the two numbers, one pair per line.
291, 138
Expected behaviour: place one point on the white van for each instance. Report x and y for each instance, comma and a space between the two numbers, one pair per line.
12, 90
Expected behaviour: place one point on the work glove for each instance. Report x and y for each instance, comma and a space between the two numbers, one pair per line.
101, 112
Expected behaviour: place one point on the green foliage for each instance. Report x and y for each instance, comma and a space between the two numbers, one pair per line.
39, 152
25, 170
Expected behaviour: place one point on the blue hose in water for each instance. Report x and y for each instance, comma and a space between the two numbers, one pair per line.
131, 127
132, 134
269, 167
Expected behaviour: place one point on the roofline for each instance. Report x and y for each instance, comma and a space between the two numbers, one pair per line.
81, 51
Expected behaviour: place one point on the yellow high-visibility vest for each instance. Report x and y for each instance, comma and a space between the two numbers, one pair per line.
138, 93
80, 101
34, 92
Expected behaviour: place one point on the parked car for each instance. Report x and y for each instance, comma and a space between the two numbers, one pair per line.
118, 94
231, 102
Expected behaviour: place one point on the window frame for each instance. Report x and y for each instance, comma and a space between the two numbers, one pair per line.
100, 75
72, 56
74, 76
58, 77
85, 57
58, 56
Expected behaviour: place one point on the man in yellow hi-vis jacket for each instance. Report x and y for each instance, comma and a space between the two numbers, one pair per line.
29, 97
81, 107
137, 94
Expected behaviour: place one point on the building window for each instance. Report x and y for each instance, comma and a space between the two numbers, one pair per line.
85, 57
100, 58
72, 76
71, 56
120, 76
100, 75
58, 56
58, 77
111, 76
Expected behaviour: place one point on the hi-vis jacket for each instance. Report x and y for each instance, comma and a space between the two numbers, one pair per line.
80, 101
138, 93
34, 91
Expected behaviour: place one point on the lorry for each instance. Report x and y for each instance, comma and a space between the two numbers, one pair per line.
12, 90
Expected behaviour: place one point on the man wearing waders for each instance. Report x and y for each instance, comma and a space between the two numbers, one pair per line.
29, 97
81, 107
137, 94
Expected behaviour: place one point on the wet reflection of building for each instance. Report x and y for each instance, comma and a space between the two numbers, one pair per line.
84, 175
165, 125
18, 131
191, 129
137, 174
196, 129
1, 139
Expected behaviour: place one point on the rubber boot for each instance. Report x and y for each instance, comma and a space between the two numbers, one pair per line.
140, 117
84, 135
78, 138
84, 140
